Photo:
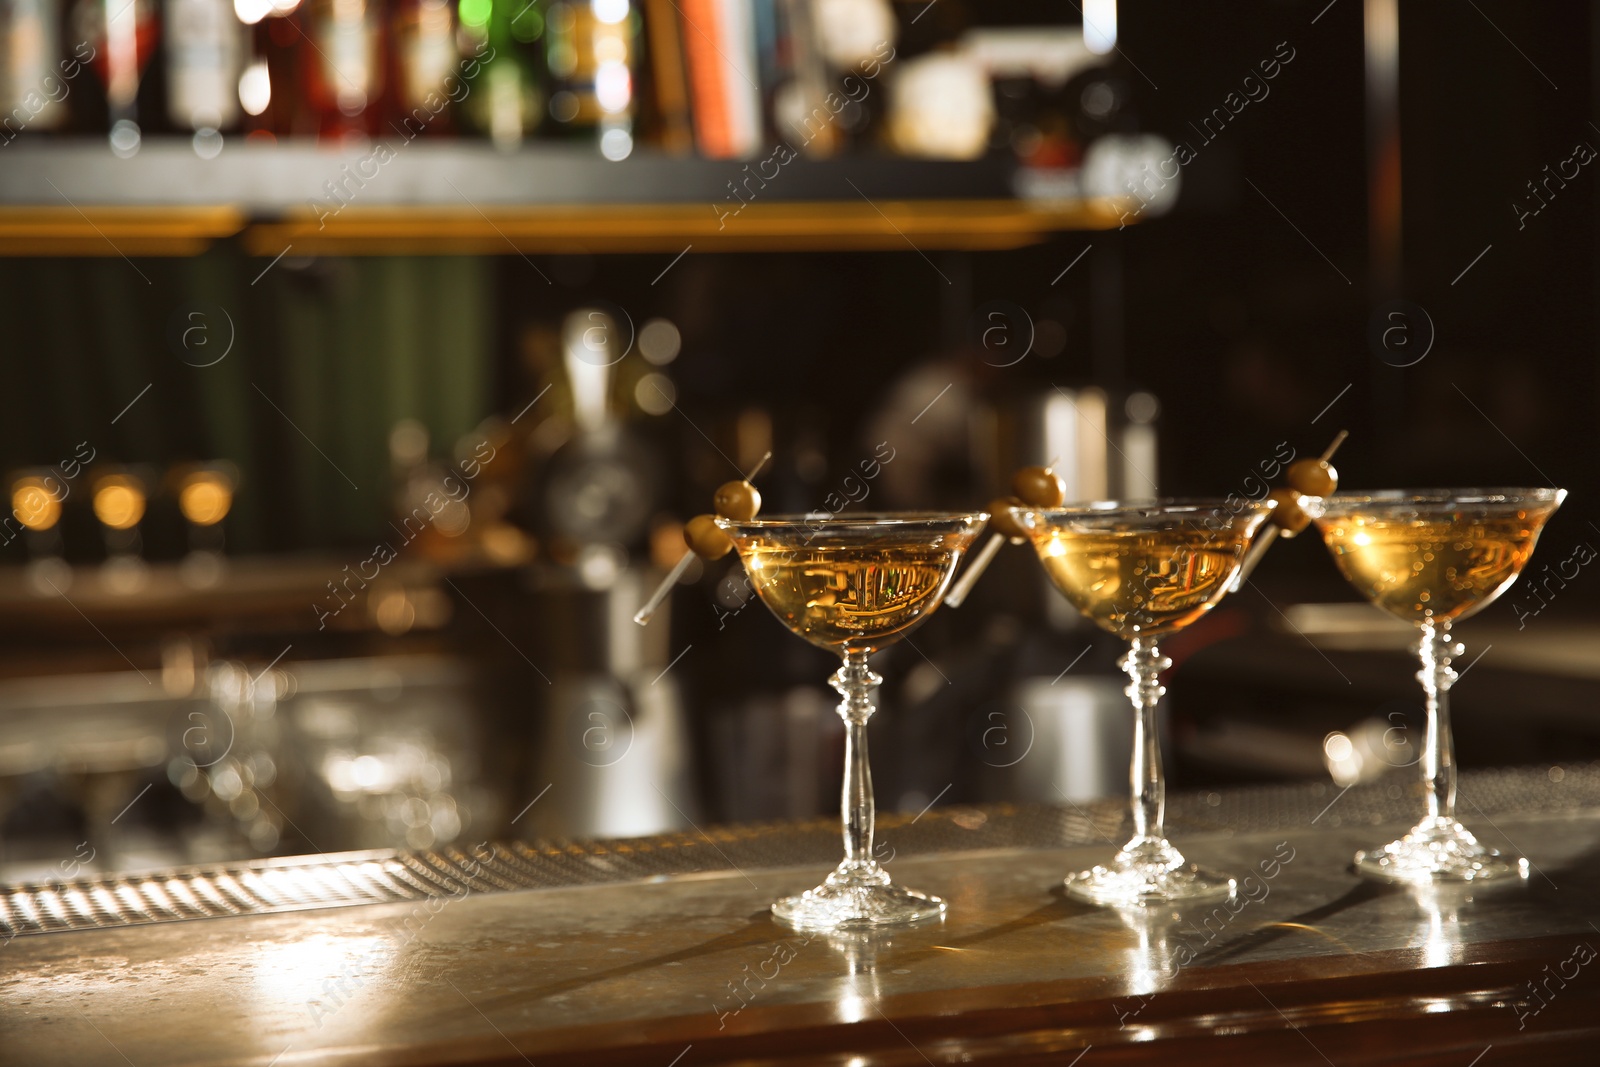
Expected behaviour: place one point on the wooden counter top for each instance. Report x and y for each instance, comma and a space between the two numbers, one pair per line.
1311, 965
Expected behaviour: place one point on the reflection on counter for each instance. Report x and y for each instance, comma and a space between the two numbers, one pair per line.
223, 761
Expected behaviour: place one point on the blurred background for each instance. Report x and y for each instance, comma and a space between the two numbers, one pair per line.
361, 362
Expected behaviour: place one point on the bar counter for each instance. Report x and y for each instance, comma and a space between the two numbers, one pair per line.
661, 951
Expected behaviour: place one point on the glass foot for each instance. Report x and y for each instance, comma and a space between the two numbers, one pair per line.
1438, 850
855, 897
1148, 872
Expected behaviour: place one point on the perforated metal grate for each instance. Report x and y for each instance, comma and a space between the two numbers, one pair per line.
306, 882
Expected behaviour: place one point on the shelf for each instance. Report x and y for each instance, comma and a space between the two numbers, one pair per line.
77, 199
268, 179
891, 225
108, 231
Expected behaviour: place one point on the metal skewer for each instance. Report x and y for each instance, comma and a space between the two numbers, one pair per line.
644, 614
1252, 556
1263, 541
980, 562
969, 577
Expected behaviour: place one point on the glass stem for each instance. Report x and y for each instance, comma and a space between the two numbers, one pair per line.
855, 682
1144, 664
1436, 650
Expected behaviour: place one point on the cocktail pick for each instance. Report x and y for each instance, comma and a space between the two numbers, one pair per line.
1307, 477
1038, 487
734, 500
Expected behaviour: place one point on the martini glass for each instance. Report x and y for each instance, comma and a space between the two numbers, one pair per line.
852, 586
1142, 571
1433, 557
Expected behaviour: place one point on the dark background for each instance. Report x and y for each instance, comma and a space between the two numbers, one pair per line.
1249, 312
1240, 324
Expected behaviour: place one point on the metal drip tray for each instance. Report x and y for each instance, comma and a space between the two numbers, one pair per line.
301, 883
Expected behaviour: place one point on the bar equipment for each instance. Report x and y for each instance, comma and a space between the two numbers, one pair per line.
614, 748
1141, 571
390, 751
1062, 738
119, 500
36, 499
852, 586
1433, 557
205, 496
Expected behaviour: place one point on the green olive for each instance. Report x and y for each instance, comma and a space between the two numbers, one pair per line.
1039, 486
738, 501
1288, 516
1002, 520
1313, 477
705, 538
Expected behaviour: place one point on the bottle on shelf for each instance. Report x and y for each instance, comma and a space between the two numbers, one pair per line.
426, 67
124, 35
342, 56
840, 108
205, 47
270, 74
506, 94
590, 51
668, 106
33, 91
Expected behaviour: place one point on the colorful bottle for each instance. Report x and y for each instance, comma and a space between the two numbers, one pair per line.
343, 62
271, 77
427, 67
506, 97
590, 50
